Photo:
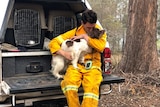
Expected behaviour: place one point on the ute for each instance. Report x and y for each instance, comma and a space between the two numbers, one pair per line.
25, 28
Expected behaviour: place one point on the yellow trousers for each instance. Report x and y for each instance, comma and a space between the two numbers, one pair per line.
90, 80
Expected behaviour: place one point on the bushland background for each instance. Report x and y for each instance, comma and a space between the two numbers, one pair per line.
135, 59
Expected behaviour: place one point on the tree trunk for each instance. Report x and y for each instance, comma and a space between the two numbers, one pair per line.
140, 51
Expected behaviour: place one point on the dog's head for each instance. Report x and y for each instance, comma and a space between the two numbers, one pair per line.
96, 33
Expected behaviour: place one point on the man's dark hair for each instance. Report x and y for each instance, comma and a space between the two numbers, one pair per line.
89, 16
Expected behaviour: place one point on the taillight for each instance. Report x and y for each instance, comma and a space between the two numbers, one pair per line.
107, 61
107, 53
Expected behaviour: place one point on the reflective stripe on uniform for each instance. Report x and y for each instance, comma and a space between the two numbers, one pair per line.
96, 67
91, 95
70, 87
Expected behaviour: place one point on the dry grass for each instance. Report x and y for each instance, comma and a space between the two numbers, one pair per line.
138, 90
115, 58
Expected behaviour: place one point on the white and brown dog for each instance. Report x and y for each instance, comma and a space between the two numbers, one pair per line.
78, 49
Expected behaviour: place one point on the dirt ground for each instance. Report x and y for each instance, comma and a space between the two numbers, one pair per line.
138, 90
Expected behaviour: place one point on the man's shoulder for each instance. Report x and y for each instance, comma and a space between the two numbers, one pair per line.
97, 26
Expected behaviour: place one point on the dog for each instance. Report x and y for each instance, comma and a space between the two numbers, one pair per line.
78, 49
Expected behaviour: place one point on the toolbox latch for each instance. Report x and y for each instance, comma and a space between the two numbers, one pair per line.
34, 67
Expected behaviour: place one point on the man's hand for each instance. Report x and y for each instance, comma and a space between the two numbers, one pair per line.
65, 54
82, 36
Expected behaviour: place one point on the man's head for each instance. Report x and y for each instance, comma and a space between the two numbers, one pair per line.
89, 16
89, 19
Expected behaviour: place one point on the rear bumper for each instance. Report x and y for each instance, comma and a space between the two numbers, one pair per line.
32, 88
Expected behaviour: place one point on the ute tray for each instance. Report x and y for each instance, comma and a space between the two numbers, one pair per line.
45, 81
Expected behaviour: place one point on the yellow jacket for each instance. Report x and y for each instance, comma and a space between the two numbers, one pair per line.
97, 44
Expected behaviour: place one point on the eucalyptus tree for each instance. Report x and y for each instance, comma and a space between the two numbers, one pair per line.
140, 51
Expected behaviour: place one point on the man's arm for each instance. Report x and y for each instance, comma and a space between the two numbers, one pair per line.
98, 44
65, 54
82, 36
55, 43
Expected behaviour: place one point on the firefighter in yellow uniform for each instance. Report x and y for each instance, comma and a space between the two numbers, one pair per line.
90, 78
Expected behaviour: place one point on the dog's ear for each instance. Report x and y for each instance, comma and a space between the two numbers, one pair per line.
69, 43
102, 32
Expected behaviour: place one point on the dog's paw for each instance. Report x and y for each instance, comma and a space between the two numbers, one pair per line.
75, 66
59, 77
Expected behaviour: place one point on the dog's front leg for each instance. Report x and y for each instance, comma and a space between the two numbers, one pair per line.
81, 58
75, 59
